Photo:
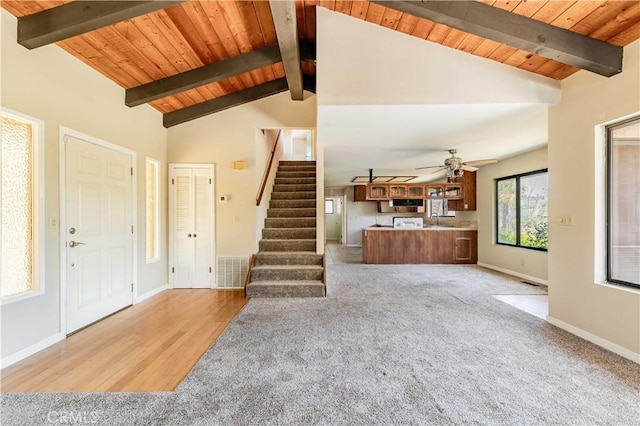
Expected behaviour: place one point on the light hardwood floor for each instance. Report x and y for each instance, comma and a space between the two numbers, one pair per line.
147, 347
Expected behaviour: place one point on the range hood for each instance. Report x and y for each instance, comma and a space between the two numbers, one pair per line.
406, 202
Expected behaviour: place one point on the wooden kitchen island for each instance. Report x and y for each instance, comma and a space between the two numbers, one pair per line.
437, 244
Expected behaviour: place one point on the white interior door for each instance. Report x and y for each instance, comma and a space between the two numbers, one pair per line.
191, 225
333, 218
99, 231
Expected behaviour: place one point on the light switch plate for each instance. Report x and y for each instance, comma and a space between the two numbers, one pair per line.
566, 220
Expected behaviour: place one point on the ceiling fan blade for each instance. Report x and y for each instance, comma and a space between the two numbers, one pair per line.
480, 162
429, 167
469, 168
438, 170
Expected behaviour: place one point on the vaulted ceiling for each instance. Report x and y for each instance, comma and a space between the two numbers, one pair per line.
192, 58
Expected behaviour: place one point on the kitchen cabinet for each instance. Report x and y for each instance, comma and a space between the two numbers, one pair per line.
397, 191
435, 191
360, 193
468, 201
378, 191
416, 191
465, 247
419, 246
453, 191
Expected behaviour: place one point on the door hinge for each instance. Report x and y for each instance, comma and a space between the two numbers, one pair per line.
132, 229
209, 269
131, 286
173, 182
173, 270
132, 171
209, 181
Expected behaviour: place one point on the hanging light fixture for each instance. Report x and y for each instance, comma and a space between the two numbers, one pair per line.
453, 165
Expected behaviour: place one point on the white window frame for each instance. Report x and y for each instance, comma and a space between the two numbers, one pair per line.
37, 205
156, 225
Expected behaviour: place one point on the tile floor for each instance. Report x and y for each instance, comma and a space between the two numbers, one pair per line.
535, 304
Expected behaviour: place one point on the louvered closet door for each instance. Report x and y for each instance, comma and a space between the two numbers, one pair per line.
191, 224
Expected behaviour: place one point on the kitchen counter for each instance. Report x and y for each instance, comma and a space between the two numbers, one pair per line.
431, 244
425, 228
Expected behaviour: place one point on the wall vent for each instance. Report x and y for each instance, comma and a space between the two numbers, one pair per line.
231, 271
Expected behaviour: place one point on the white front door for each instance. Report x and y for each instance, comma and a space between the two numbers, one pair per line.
191, 225
99, 231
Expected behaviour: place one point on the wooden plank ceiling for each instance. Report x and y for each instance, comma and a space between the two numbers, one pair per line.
193, 34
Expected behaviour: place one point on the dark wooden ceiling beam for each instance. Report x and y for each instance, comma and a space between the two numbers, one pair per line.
78, 17
284, 18
207, 74
224, 102
518, 31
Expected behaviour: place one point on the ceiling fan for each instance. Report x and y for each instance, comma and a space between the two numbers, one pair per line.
455, 167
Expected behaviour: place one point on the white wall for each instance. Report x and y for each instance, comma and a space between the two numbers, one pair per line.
578, 301
51, 85
525, 262
373, 65
231, 135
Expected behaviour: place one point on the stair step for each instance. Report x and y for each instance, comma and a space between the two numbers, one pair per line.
285, 289
287, 245
295, 187
287, 174
287, 204
288, 233
290, 222
296, 168
288, 258
294, 212
297, 195
295, 180
286, 272
297, 163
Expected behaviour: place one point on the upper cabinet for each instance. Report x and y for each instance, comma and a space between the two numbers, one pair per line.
416, 191
377, 191
461, 194
468, 200
398, 191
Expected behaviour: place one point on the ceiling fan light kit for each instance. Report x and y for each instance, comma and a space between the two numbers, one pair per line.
454, 167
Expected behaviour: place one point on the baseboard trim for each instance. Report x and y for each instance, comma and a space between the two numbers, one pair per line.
617, 349
27, 352
150, 294
354, 245
515, 274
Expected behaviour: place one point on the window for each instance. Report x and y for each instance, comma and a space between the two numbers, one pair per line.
152, 195
20, 265
439, 208
521, 210
328, 206
623, 202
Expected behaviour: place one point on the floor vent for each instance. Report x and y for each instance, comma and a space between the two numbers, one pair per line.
232, 271
530, 283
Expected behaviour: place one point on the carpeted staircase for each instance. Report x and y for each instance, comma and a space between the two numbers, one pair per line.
286, 264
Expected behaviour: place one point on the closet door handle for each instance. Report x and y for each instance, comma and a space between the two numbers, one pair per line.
189, 235
194, 235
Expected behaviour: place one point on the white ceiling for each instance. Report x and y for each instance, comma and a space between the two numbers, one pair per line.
413, 100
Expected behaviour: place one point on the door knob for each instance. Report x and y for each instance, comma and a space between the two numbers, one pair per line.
194, 235
188, 235
72, 244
